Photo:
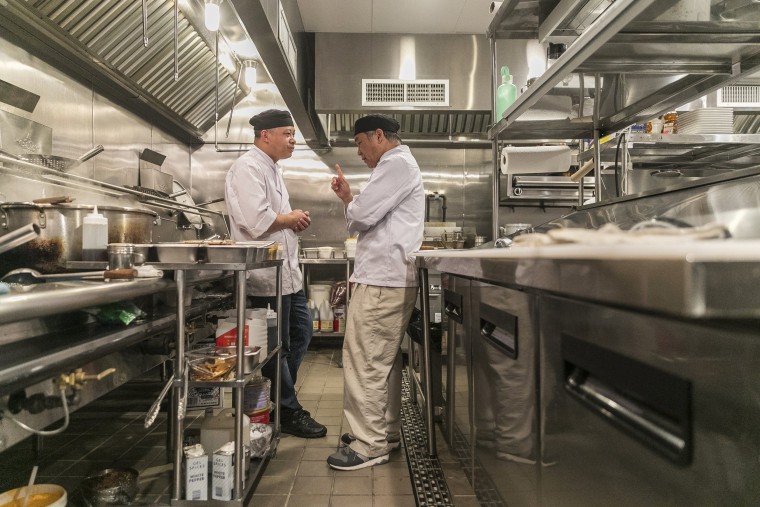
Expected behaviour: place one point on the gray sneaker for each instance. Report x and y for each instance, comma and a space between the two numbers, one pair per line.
348, 459
347, 438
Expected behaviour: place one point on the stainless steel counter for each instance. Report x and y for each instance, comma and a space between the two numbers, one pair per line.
697, 279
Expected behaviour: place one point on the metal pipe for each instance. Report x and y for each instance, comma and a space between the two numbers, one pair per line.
179, 376
176, 40
19, 237
427, 370
597, 152
495, 175
145, 22
234, 94
240, 279
278, 366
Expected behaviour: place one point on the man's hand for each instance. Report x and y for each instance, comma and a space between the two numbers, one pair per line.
341, 188
299, 220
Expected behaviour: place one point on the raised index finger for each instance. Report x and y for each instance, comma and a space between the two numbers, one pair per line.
340, 173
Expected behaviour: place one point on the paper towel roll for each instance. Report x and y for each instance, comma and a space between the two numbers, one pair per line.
535, 159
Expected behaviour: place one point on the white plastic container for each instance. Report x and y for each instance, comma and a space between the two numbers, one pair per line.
217, 430
350, 248
319, 293
94, 237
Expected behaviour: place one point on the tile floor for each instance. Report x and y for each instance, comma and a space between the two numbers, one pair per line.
110, 432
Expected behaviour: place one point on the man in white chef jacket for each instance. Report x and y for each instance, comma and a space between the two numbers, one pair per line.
388, 217
259, 209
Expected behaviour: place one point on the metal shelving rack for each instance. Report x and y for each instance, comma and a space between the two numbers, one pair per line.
306, 263
629, 43
241, 493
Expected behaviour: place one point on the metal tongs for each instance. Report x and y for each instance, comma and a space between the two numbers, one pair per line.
19, 237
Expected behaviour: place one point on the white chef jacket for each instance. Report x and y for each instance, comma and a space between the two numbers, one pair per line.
256, 194
388, 216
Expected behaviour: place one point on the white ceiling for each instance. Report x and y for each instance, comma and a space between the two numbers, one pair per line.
396, 16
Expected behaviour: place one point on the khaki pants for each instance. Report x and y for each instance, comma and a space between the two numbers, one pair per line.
372, 364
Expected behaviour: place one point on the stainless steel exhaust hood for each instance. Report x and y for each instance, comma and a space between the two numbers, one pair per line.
449, 100
102, 43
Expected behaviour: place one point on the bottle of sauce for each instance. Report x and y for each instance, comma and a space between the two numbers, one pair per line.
314, 313
325, 317
94, 237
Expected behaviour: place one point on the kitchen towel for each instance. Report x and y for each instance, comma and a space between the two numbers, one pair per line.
535, 159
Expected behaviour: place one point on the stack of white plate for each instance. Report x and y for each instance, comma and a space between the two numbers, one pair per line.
710, 120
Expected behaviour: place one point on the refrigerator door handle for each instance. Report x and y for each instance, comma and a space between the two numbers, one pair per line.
640, 422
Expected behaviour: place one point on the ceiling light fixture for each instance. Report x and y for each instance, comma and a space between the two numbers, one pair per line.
212, 15
250, 72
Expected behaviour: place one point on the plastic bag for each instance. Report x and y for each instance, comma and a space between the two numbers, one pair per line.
261, 435
123, 312
338, 294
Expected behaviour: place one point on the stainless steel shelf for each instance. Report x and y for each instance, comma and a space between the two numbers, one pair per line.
703, 150
652, 57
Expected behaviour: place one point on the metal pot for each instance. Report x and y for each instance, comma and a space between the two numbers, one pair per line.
60, 238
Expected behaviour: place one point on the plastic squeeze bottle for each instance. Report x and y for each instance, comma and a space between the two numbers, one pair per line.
94, 237
506, 93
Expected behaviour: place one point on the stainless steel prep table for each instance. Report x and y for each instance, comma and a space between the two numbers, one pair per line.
628, 302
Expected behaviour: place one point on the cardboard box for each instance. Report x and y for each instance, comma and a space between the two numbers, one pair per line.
196, 473
223, 473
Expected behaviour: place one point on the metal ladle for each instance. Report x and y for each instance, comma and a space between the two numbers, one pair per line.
27, 276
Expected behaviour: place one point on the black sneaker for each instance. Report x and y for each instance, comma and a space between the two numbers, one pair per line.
348, 459
300, 424
347, 438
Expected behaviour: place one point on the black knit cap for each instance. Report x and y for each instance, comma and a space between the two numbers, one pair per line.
376, 121
270, 119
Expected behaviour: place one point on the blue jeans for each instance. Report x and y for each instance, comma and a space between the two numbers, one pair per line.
296, 336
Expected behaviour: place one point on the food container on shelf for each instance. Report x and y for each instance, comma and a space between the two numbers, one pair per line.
350, 248
250, 356
326, 252
176, 253
206, 365
310, 253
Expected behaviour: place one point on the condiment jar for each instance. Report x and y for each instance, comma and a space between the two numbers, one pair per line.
670, 123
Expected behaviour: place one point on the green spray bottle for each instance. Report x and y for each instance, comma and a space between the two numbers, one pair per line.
506, 93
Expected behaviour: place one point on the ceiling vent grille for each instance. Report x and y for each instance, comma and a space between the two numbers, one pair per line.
398, 92
739, 96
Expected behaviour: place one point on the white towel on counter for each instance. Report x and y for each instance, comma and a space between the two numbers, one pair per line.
610, 234
148, 271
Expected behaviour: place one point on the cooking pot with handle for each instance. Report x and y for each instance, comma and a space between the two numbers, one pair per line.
60, 238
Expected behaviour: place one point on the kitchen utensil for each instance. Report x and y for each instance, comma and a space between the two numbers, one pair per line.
509, 229
19, 237
60, 163
29, 486
112, 486
60, 199
27, 276
60, 239
182, 404
182, 196
150, 417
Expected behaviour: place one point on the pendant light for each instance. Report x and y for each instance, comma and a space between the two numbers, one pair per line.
212, 15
